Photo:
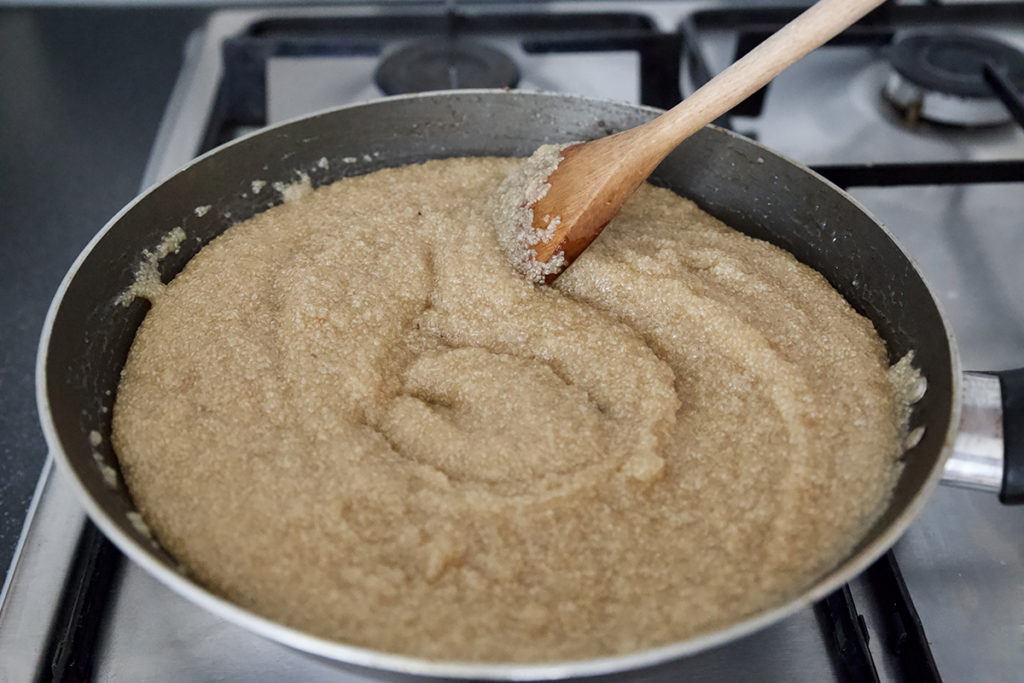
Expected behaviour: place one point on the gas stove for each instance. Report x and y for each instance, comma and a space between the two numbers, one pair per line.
948, 601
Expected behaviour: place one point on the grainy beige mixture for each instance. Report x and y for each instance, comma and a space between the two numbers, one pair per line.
517, 194
351, 414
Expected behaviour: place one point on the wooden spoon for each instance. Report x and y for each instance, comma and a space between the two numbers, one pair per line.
594, 179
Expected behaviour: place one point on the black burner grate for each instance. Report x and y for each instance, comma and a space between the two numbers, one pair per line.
878, 28
242, 98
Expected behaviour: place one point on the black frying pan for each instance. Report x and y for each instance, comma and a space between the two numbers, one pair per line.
87, 334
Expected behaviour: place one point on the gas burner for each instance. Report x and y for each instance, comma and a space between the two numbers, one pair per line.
439, 64
939, 77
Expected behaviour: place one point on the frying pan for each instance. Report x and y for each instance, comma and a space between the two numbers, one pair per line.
87, 333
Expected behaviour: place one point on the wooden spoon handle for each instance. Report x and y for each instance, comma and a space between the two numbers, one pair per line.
593, 179
815, 27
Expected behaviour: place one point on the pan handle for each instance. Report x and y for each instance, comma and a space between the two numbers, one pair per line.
1012, 384
989, 450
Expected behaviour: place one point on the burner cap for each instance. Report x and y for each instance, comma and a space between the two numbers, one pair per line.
439, 64
939, 76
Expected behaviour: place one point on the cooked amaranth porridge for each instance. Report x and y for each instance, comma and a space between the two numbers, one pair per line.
351, 415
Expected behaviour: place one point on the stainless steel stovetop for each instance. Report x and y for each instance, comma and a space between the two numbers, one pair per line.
963, 560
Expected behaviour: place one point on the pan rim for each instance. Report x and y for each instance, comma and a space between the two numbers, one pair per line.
414, 666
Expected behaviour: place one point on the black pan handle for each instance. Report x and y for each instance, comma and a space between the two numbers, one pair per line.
989, 450
1011, 382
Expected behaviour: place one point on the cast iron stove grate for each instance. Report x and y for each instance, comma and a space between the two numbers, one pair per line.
878, 28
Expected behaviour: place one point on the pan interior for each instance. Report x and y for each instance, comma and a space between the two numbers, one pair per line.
747, 186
